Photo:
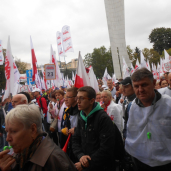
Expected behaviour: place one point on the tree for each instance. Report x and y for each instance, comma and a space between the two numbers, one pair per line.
161, 39
21, 66
99, 60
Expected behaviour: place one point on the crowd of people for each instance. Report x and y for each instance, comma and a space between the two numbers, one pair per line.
125, 126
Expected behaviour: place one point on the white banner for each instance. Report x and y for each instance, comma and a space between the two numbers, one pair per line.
1, 54
59, 43
66, 39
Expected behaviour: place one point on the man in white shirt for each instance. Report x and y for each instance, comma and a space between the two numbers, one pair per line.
148, 130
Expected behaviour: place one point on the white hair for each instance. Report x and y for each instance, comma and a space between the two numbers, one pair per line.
27, 115
107, 92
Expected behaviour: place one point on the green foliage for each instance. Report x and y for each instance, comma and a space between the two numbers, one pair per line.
99, 60
21, 66
161, 39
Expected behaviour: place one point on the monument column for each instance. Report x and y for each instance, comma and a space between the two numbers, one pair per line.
116, 26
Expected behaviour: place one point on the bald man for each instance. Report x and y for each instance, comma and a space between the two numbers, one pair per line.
19, 99
166, 90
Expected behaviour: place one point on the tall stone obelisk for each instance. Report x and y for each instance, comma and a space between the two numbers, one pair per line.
116, 26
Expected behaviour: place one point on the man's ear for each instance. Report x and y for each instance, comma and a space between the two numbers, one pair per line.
34, 130
92, 101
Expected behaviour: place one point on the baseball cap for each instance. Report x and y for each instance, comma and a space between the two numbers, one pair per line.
36, 89
126, 81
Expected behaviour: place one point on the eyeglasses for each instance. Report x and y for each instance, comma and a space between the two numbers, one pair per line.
81, 98
68, 97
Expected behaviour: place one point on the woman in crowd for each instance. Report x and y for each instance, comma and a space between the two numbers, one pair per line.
98, 97
33, 149
163, 83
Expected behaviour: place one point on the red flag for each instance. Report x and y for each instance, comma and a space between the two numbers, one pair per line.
81, 78
34, 61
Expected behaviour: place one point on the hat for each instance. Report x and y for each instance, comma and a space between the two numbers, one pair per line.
126, 81
36, 89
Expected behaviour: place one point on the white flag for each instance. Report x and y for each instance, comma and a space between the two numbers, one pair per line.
66, 40
167, 62
143, 62
59, 43
125, 70
9, 72
105, 77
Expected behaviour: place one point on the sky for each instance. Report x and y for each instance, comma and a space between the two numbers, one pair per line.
41, 19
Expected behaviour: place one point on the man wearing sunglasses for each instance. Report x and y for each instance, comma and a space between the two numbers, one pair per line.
93, 142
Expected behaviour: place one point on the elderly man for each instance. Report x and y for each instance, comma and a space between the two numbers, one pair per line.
112, 109
111, 87
19, 99
166, 90
148, 130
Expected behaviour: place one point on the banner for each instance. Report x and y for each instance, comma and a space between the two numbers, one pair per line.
66, 39
59, 43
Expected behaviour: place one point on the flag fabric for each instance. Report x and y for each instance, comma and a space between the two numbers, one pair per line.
1, 54
132, 69
44, 80
34, 62
93, 80
154, 71
9, 73
143, 62
158, 72
59, 43
66, 39
137, 65
148, 65
73, 76
167, 62
106, 77
125, 69
58, 73
81, 78
113, 78
161, 67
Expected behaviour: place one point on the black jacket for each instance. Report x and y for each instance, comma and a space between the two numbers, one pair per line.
97, 141
2, 120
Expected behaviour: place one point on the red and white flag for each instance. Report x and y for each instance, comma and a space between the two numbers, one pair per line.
59, 43
81, 78
106, 77
66, 39
132, 69
1, 54
143, 62
137, 65
148, 65
154, 71
34, 62
167, 62
9, 73
58, 73
125, 69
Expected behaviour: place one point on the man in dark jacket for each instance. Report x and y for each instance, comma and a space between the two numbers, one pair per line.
94, 138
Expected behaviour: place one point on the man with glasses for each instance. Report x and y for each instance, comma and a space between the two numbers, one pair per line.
71, 122
93, 142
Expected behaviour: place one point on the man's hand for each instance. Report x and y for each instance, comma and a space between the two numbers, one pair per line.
103, 105
71, 131
78, 166
84, 160
6, 160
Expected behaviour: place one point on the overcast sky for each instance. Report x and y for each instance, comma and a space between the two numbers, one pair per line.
87, 20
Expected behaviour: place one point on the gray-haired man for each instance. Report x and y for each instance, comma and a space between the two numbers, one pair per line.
149, 124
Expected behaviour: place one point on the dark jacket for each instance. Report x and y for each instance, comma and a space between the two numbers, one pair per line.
2, 120
49, 157
96, 138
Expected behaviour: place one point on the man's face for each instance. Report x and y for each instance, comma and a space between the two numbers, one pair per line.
105, 98
166, 76
83, 101
36, 94
109, 84
16, 101
70, 99
144, 89
127, 90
